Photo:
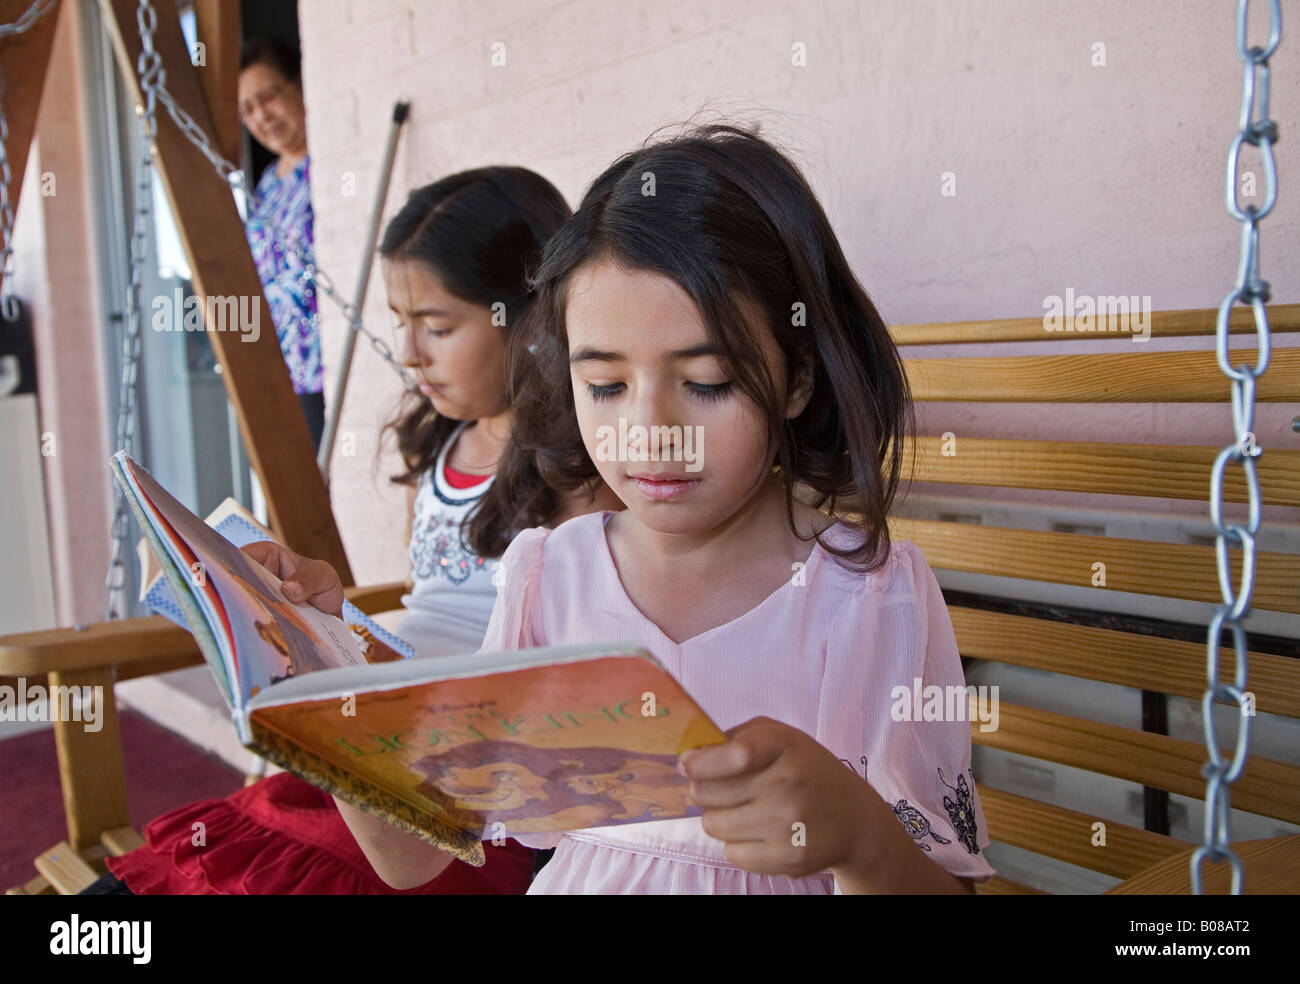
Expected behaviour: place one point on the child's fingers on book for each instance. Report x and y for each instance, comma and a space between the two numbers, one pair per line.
275, 557
727, 791
742, 754
320, 585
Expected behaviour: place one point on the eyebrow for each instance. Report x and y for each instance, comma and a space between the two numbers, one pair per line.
423, 312
589, 354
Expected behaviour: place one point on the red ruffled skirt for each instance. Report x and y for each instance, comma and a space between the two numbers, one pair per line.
283, 836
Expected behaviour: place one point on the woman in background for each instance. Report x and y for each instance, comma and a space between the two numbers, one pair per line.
279, 223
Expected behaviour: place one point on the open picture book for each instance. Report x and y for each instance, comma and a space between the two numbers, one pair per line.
453, 749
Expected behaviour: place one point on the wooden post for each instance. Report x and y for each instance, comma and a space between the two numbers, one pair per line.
218, 30
253, 368
24, 59
90, 762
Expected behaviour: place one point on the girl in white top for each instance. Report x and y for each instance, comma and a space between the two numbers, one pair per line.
454, 589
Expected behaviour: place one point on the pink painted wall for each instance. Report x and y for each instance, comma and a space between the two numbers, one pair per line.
1105, 179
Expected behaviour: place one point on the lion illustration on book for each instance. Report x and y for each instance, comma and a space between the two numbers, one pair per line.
532, 789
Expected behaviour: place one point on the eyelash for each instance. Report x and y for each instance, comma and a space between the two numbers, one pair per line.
428, 332
709, 392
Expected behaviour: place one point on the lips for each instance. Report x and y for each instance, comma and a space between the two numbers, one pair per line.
663, 486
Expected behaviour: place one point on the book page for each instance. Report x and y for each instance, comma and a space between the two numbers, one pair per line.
233, 522
272, 637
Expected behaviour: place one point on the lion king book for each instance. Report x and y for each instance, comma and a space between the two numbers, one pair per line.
455, 750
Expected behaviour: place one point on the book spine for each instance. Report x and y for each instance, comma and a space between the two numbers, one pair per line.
240, 716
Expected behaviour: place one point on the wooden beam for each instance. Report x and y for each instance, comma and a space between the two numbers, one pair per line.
253, 368
1164, 324
24, 60
218, 31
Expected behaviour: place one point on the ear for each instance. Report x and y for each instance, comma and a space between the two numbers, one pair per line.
800, 393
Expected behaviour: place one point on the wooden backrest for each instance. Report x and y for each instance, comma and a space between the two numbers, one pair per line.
1039, 640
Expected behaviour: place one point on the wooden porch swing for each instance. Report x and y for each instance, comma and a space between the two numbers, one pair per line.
1034, 636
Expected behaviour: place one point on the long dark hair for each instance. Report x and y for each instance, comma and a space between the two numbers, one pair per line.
728, 217
479, 231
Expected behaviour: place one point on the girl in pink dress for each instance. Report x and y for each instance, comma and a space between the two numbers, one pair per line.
700, 343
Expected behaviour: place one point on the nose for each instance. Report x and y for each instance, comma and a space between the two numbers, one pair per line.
410, 354
655, 404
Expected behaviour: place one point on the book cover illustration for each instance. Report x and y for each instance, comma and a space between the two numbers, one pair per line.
563, 746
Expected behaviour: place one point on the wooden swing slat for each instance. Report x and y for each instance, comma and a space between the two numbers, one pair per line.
1127, 659
1164, 324
1141, 377
997, 885
1272, 867
1266, 787
1167, 570
1154, 470
1067, 835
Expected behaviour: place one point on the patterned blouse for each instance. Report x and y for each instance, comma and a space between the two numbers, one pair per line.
281, 203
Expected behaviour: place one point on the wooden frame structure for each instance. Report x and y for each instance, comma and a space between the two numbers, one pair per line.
256, 379
91, 765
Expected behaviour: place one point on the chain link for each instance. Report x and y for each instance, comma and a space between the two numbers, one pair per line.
28, 19
1256, 129
149, 65
8, 300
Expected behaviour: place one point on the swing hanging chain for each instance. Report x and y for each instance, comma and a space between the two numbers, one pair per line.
149, 65
28, 19
1254, 128
234, 176
8, 300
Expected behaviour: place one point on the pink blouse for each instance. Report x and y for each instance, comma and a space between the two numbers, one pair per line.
823, 653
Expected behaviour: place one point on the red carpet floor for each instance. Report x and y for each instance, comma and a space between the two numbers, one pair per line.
163, 771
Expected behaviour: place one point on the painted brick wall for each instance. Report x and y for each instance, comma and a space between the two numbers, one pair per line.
1104, 179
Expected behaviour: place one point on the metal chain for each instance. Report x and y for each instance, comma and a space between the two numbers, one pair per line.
149, 65
1258, 130
29, 17
288, 239
8, 300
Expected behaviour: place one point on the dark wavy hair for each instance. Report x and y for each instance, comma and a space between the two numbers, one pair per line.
732, 221
273, 52
479, 232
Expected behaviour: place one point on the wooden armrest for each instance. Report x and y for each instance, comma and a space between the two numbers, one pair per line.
378, 597
123, 641
138, 646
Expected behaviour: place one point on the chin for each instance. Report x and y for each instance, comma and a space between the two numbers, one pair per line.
667, 517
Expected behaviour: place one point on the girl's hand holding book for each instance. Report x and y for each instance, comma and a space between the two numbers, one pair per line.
784, 805
306, 581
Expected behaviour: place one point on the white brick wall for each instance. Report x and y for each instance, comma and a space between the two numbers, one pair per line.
1104, 179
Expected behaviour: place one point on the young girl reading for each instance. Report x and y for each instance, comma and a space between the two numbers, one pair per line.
457, 248
704, 347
